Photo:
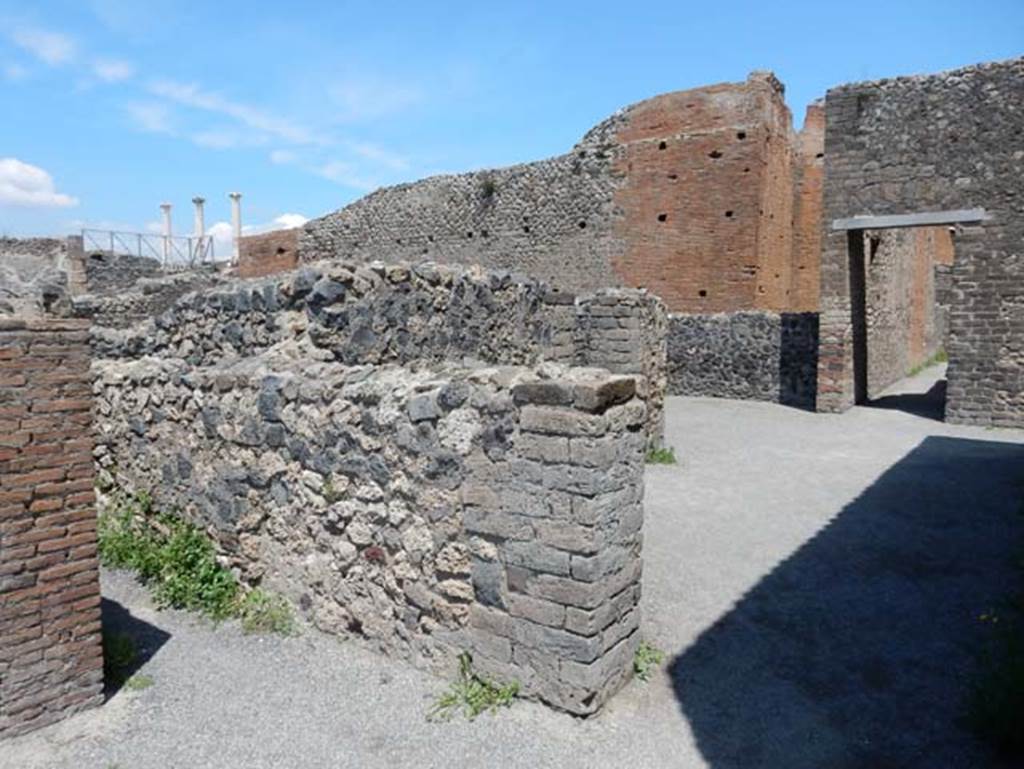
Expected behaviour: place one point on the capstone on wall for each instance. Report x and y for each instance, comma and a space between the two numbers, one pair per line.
939, 142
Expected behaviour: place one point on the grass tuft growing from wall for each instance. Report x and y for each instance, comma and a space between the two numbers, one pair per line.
471, 694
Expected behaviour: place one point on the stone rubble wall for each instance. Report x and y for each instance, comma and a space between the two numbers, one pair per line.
33, 275
429, 510
109, 273
146, 297
744, 355
378, 314
551, 219
51, 658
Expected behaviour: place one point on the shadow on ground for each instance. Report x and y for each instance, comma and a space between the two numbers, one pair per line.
146, 638
856, 651
930, 405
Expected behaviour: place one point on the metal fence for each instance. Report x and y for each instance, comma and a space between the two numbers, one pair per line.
171, 252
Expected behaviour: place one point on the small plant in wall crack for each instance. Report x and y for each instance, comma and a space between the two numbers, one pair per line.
472, 694
646, 660
666, 455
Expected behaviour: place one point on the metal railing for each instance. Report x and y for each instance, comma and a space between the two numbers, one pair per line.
171, 252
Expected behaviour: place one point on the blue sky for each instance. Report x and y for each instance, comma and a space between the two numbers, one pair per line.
112, 106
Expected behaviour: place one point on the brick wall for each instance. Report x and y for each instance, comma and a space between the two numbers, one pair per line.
268, 253
940, 142
808, 176
51, 661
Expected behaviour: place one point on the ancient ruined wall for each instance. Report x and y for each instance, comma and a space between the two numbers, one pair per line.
268, 253
550, 219
406, 314
940, 142
773, 288
424, 507
808, 178
32, 275
109, 273
696, 175
754, 355
688, 194
51, 660
146, 298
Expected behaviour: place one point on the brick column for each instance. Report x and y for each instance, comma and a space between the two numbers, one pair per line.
51, 659
557, 600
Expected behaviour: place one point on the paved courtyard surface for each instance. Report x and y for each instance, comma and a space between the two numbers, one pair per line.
817, 581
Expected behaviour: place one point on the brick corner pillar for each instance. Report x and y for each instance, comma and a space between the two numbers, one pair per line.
51, 657
836, 332
558, 607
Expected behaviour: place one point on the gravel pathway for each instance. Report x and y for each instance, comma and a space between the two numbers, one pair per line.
816, 580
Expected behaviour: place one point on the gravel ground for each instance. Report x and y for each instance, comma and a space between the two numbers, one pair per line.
816, 579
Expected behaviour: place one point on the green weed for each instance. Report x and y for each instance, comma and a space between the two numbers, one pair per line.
263, 612
472, 694
665, 455
646, 659
138, 682
178, 562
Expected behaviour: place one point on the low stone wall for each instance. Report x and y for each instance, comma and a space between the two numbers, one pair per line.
51, 660
107, 272
146, 298
744, 355
427, 509
426, 313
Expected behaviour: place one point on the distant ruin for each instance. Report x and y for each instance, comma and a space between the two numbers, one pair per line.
707, 198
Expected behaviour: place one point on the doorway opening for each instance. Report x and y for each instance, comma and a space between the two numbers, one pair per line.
900, 291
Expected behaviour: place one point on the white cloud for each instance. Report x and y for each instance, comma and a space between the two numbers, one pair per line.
289, 221
282, 157
151, 117
112, 70
22, 184
191, 95
369, 151
51, 47
370, 98
14, 72
344, 174
227, 138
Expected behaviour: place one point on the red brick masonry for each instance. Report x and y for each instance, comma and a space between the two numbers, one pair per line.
51, 656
